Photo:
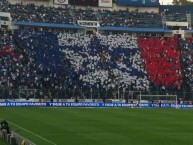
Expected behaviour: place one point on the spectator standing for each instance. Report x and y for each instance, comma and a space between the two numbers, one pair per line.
4, 129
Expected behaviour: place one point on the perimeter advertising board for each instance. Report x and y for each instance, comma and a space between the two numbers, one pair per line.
90, 104
138, 3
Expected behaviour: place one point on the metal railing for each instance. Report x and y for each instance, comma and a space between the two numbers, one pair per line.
19, 139
81, 93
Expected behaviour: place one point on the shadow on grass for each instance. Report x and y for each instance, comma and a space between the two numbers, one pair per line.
3, 142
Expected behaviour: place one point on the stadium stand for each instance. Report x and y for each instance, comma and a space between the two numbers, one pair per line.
121, 18
33, 13
59, 64
64, 60
124, 18
59, 61
88, 66
4, 6
162, 58
176, 13
187, 60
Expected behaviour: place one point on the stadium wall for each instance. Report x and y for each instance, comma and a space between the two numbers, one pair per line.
167, 34
187, 35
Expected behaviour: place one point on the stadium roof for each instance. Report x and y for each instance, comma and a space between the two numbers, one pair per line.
135, 29
49, 25
110, 28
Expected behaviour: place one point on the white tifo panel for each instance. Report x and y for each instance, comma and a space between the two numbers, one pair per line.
61, 2
105, 3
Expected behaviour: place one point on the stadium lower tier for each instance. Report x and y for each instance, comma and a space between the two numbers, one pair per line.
55, 60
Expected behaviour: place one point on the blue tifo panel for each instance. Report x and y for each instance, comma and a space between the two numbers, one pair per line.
140, 3
89, 104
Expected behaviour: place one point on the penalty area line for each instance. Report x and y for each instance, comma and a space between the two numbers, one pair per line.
31, 132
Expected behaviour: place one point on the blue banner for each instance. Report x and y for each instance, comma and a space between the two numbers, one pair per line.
63, 104
139, 3
89, 104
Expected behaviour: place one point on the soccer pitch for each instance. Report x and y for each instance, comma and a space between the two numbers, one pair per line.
104, 126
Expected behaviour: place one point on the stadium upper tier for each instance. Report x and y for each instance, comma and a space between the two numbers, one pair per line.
55, 60
121, 18
117, 18
176, 13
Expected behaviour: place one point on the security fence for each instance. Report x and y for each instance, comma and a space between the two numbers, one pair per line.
80, 93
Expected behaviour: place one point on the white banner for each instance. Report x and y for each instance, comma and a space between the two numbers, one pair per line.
61, 2
105, 3
92, 24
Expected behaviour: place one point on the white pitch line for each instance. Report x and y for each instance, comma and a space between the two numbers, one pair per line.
172, 133
31, 132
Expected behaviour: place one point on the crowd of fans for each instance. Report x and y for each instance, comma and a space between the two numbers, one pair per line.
81, 60
162, 59
177, 17
39, 59
187, 60
4, 6
106, 61
33, 13
177, 13
125, 18
68, 15
65, 61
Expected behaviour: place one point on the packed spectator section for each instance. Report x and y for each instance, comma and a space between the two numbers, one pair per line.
125, 18
118, 18
53, 60
69, 15
39, 59
33, 13
82, 60
162, 60
176, 13
106, 61
4, 6
186, 46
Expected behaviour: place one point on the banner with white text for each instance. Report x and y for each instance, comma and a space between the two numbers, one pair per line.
91, 105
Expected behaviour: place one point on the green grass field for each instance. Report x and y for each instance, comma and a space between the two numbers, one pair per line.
3, 143
84, 126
